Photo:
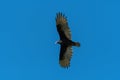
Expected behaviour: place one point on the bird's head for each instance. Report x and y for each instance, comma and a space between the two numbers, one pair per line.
58, 42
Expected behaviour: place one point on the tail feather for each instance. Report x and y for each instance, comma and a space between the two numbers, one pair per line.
77, 44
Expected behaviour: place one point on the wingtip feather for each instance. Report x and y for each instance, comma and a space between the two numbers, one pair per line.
61, 18
65, 63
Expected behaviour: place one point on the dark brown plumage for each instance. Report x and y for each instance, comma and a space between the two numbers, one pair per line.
65, 40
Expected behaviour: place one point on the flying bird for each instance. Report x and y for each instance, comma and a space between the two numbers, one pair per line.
65, 40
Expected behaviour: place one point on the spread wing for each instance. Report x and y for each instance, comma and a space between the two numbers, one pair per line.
62, 26
65, 56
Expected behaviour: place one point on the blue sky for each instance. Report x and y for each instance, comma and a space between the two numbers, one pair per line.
28, 33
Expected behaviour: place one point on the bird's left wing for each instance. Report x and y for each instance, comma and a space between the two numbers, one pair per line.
65, 56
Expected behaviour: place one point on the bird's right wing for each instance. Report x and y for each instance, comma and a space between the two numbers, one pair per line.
62, 26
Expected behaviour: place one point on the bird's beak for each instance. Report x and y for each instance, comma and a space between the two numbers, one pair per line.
56, 42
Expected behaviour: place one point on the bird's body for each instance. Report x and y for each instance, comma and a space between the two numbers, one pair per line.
65, 40
68, 42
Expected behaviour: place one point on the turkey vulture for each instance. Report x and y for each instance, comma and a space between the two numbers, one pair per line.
65, 40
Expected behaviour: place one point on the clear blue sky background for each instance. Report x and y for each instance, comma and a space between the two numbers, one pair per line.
28, 33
